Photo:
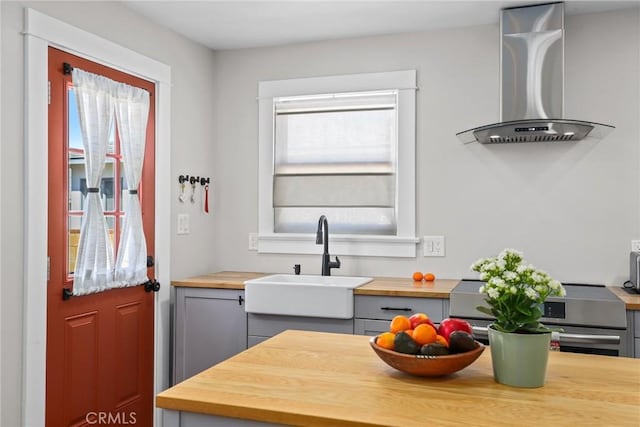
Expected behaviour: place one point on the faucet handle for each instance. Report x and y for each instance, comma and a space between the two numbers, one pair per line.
335, 264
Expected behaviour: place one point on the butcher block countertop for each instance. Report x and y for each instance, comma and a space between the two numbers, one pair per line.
390, 286
322, 379
631, 301
220, 280
382, 286
440, 288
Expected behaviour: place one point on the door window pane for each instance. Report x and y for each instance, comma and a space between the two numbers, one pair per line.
107, 186
74, 132
123, 188
77, 183
75, 135
111, 225
73, 237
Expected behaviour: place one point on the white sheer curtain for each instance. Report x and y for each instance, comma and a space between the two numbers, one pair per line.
99, 99
132, 113
94, 264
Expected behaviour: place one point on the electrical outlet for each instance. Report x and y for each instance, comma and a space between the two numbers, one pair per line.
183, 224
253, 241
433, 245
635, 245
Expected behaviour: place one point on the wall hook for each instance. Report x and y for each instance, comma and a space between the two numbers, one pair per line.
193, 181
182, 179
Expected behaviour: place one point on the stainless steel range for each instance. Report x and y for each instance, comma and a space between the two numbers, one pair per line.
593, 319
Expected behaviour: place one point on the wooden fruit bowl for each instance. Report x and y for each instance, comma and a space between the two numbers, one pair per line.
427, 366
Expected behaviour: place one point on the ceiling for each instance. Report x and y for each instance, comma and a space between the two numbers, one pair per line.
245, 24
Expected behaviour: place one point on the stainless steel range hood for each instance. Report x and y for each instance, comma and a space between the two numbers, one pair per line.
532, 82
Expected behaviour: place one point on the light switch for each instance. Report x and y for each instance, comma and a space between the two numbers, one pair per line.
433, 245
183, 224
253, 241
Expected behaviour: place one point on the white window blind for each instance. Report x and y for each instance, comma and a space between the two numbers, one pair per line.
336, 155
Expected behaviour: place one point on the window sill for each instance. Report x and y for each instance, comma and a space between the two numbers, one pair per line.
382, 246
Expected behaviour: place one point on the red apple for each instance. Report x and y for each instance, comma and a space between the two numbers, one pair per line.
447, 326
420, 318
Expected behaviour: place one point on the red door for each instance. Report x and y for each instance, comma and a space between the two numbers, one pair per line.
100, 356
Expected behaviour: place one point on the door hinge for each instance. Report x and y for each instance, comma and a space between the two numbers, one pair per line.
48, 268
49, 92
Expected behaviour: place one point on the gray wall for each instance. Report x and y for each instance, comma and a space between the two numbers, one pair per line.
572, 208
192, 151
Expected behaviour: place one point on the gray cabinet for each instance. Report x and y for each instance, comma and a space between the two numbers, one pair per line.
372, 313
210, 325
636, 334
263, 326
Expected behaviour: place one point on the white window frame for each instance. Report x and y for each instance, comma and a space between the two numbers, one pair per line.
403, 244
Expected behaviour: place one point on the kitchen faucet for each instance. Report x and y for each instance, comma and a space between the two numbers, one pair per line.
321, 237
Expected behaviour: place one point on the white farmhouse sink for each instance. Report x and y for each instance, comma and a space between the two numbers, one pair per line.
302, 295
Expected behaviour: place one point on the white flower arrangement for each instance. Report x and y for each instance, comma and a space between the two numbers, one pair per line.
515, 292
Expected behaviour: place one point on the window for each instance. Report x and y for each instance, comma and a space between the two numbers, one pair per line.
342, 146
335, 155
77, 182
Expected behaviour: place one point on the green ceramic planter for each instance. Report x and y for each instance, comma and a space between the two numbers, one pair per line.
519, 360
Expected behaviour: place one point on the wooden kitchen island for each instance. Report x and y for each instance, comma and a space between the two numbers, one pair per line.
322, 379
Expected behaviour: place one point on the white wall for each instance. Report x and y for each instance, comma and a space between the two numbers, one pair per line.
192, 135
572, 208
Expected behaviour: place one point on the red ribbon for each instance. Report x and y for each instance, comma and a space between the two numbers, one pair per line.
206, 199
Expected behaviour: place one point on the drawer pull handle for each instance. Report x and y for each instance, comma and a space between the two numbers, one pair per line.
479, 331
396, 308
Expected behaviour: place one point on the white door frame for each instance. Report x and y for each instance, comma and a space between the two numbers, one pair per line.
42, 31
1, 400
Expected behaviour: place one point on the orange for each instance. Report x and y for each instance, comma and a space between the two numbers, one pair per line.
385, 340
442, 340
400, 323
424, 334
417, 276
429, 277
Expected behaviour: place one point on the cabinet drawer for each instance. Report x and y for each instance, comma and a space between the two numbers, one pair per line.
267, 325
222, 294
385, 308
370, 327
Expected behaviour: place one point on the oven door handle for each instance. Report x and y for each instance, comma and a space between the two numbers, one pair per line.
483, 332
480, 332
588, 339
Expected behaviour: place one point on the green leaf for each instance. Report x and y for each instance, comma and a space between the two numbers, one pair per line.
484, 310
537, 327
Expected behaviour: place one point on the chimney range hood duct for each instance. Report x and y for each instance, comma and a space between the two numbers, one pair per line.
531, 79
